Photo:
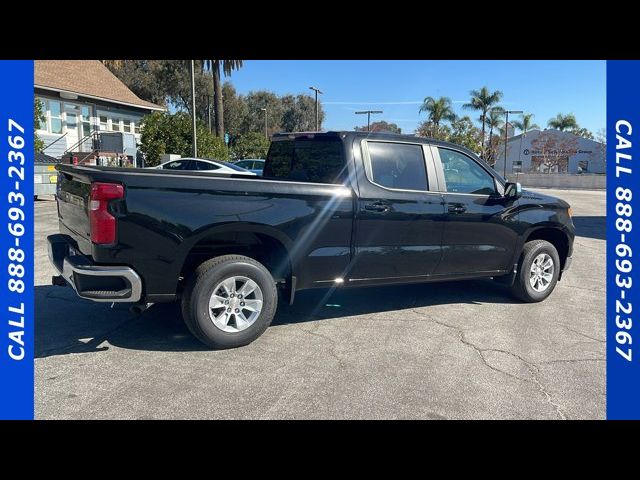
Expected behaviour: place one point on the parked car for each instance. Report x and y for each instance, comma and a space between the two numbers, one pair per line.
336, 209
254, 165
203, 164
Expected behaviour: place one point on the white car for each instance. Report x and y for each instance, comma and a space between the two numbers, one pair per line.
201, 164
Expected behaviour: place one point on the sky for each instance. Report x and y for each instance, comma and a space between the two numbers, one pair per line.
398, 87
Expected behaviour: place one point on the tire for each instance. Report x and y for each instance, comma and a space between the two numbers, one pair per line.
206, 323
539, 250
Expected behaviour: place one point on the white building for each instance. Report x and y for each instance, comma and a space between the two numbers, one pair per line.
81, 97
552, 151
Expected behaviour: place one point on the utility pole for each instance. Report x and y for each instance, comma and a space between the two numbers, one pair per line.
317, 90
506, 137
266, 129
193, 110
209, 111
368, 112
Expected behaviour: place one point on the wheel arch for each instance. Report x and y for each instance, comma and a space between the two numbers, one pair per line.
554, 235
265, 244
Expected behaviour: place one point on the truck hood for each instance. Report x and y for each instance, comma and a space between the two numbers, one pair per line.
529, 196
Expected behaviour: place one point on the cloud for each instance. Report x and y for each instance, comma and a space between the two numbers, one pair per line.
412, 102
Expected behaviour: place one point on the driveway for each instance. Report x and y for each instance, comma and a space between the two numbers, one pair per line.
461, 350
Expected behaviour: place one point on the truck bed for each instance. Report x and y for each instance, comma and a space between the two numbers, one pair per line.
166, 216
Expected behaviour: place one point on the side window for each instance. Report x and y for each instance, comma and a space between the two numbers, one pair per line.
397, 165
206, 166
463, 175
177, 165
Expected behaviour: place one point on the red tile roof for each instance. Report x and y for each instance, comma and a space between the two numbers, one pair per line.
89, 78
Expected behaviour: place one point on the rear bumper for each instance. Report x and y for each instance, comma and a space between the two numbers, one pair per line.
99, 283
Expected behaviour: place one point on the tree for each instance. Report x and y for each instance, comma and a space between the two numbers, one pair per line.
431, 130
235, 110
38, 118
438, 109
166, 133
582, 132
482, 101
563, 122
143, 77
601, 138
249, 145
380, 126
494, 120
526, 123
299, 114
465, 133
550, 152
227, 66
254, 120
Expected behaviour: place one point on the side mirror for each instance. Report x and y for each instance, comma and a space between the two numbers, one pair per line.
513, 190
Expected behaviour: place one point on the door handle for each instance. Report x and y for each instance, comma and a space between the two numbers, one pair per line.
377, 207
457, 208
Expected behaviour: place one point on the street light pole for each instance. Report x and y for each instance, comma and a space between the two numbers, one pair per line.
368, 112
209, 110
193, 110
266, 132
318, 91
506, 137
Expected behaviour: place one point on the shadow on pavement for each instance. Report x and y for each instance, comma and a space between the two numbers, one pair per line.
591, 227
66, 324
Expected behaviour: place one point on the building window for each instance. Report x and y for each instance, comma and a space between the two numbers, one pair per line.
115, 125
127, 125
136, 128
86, 120
103, 123
583, 166
55, 116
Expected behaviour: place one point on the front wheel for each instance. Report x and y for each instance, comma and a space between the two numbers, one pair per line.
229, 301
538, 271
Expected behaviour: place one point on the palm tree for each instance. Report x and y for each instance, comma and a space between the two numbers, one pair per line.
494, 120
228, 66
483, 100
526, 123
438, 109
563, 122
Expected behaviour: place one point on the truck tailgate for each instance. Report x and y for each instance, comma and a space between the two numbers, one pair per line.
73, 208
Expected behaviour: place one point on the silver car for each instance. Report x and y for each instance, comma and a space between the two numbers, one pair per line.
202, 164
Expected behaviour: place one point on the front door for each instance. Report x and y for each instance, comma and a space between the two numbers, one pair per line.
72, 127
479, 231
399, 217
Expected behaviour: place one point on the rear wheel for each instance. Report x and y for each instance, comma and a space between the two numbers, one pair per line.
538, 271
229, 301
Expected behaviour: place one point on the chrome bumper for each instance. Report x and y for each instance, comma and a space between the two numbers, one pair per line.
99, 283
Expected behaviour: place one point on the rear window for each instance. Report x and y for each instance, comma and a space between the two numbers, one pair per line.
317, 160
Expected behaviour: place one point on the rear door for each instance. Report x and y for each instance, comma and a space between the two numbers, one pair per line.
399, 213
479, 232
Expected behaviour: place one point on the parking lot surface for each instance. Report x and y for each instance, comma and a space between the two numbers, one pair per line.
463, 350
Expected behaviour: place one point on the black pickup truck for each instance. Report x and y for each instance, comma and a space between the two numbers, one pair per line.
336, 209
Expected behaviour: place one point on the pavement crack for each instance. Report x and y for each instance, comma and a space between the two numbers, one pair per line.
574, 360
331, 341
582, 334
533, 368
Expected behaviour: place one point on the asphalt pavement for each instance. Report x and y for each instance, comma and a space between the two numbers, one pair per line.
463, 350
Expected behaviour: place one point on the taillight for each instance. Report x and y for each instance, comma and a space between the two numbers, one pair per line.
103, 224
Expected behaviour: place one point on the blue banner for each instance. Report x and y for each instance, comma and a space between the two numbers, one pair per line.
16, 240
623, 248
